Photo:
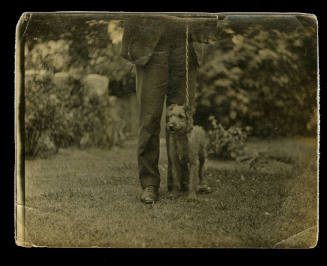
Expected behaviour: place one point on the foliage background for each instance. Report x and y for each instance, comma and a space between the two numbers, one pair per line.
260, 75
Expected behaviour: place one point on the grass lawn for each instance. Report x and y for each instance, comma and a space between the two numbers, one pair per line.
84, 198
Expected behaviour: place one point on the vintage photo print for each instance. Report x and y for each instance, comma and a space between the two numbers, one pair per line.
167, 130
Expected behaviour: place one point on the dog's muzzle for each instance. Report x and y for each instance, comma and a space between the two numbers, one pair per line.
172, 127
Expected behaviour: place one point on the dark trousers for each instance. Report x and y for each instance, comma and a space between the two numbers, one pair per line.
164, 75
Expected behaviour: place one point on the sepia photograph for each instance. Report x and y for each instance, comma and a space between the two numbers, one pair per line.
167, 130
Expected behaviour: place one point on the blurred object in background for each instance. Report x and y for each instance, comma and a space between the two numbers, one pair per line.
96, 85
115, 124
115, 31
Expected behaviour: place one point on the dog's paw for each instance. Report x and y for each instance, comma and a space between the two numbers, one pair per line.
192, 196
174, 194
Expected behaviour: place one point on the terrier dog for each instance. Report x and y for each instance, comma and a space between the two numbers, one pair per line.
187, 145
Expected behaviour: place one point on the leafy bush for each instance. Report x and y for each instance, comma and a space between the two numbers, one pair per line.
64, 115
227, 144
59, 110
39, 111
51, 55
263, 76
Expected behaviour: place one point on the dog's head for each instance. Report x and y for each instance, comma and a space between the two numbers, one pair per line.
178, 121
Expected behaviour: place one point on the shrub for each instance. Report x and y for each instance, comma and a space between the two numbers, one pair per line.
59, 110
48, 114
227, 144
264, 76
63, 115
39, 110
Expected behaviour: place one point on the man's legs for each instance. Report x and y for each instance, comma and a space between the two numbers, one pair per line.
151, 87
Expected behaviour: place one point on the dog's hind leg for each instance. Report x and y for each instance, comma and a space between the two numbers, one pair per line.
203, 187
202, 165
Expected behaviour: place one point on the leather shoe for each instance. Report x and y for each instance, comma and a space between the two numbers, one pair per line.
150, 195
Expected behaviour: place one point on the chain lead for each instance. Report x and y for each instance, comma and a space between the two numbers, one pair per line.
186, 65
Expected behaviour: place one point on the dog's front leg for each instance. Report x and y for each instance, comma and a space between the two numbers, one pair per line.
193, 180
175, 167
176, 173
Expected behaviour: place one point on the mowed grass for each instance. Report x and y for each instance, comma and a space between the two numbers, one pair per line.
90, 198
